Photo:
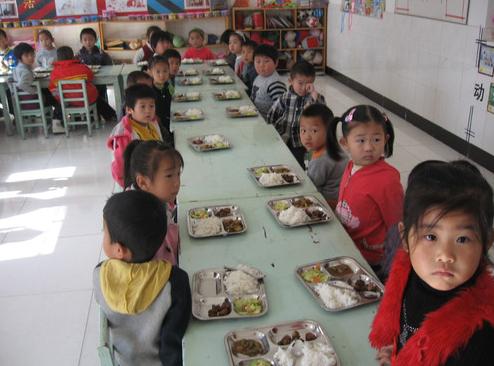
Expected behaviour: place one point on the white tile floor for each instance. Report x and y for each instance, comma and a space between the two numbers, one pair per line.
51, 196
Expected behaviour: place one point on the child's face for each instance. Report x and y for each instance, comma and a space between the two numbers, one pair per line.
144, 110
265, 66
45, 41
234, 45
162, 46
28, 58
160, 73
248, 54
365, 143
3, 42
166, 182
312, 133
301, 84
445, 253
88, 41
195, 40
174, 65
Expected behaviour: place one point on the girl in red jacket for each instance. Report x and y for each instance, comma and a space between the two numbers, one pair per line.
438, 305
370, 195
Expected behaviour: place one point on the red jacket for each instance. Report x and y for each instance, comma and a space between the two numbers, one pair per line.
72, 70
444, 331
370, 202
202, 53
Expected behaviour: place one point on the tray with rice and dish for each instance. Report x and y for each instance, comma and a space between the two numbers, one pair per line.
220, 80
228, 293
340, 283
187, 97
209, 143
219, 62
299, 343
214, 71
299, 211
242, 111
188, 72
190, 81
270, 176
192, 61
227, 95
225, 220
191, 114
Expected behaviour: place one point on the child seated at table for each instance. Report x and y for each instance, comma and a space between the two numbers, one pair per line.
230, 57
267, 86
197, 50
235, 43
324, 172
286, 111
147, 302
67, 67
160, 41
139, 123
146, 52
160, 71
7, 58
23, 74
249, 72
46, 54
174, 62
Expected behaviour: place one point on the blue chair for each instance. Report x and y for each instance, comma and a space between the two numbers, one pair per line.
105, 348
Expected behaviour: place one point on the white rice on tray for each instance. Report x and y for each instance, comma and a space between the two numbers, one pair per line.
207, 227
271, 179
239, 283
213, 139
293, 215
334, 297
306, 354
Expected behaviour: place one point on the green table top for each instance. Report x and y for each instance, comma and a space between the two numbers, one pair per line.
277, 252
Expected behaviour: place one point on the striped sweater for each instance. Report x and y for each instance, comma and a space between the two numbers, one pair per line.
266, 91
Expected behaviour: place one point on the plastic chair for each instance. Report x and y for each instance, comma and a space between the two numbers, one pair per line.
77, 106
105, 348
36, 116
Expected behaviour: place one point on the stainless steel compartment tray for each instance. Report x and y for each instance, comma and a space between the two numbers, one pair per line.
272, 169
211, 212
317, 207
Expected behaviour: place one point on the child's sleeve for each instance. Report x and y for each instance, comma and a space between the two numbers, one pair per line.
118, 144
139, 55
391, 200
210, 55
187, 53
176, 319
276, 89
25, 82
106, 59
277, 116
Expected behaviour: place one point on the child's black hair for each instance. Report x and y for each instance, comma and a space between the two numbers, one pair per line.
250, 43
159, 36
268, 51
144, 158
198, 31
239, 36
136, 220
155, 60
172, 53
139, 91
47, 33
22, 49
320, 111
134, 77
89, 31
303, 68
456, 186
3, 33
225, 36
65, 53
151, 30
349, 119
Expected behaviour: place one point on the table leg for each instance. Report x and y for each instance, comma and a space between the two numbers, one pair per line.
6, 111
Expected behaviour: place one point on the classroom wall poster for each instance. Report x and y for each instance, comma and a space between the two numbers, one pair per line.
490, 101
76, 7
127, 6
486, 60
165, 6
36, 9
369, 8
8, 9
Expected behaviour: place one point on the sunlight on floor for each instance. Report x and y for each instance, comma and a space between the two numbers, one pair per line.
34, 175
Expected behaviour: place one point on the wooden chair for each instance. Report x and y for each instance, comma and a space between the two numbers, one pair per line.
30, 112
77, 106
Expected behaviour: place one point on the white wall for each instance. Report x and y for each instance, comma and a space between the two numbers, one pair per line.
427, 66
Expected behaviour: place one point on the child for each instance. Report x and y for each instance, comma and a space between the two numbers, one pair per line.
90, 54
197, 49
324, 172
438, 305
7, 58
159, 70
155, 167
267, 87
285, 112
139, 77
146, 52
160, 41
139, 123
23, 73
235, 43
46, 55
249, 73
230, 57
370, 199
174, 61
68, 68
147, 302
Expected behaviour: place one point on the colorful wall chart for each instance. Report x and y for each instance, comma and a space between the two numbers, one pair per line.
165, 6
369, 8
36, 9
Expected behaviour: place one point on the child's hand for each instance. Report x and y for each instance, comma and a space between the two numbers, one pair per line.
312, 91
383, 356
